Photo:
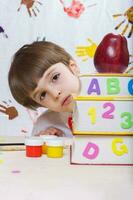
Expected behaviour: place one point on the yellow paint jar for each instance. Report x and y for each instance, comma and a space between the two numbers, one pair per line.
45, 138
55, 148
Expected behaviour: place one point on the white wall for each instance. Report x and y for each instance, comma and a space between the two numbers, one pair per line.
54, 24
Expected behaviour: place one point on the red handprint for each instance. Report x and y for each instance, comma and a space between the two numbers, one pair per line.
75, 10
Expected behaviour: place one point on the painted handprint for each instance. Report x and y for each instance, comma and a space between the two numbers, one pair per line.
2, 31
86, 51
10, 111
128, 20
29, 6
75, 9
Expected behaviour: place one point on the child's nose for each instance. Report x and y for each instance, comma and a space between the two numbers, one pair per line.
56, 93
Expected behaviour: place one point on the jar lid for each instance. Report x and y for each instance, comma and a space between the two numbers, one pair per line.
55, 142
33, 141
48, 137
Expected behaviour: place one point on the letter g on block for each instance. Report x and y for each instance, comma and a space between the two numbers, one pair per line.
122, 149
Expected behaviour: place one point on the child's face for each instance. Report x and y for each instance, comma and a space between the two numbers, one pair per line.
55, 88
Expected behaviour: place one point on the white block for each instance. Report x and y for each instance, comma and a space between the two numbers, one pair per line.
103, 117
105, 85
102, 150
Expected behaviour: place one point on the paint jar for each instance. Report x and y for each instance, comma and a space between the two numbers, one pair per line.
33, 146
55, 148
45, 138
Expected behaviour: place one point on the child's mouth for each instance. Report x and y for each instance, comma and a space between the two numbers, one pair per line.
67, 100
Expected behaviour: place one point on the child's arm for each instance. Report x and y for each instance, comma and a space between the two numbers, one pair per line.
51, 131
51, 123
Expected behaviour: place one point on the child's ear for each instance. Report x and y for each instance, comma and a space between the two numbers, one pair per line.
73, 67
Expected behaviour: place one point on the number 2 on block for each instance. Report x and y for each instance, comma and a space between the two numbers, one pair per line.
111, 109
92, 114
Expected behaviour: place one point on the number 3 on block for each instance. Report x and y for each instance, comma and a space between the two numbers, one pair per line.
127, 123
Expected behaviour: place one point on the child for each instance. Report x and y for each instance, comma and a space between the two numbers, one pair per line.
43, 74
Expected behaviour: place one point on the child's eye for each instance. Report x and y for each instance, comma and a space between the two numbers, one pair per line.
55, 77
42, 96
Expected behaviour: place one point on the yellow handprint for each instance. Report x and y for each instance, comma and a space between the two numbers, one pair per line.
86, 51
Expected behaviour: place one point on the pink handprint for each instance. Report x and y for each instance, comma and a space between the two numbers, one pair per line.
75, 10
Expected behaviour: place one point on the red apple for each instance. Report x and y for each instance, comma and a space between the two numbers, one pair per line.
112, 54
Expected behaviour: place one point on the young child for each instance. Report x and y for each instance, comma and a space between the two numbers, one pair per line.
43, 74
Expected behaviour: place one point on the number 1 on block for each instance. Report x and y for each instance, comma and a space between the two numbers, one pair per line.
92, 114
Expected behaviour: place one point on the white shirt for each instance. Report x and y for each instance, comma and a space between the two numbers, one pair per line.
54, 119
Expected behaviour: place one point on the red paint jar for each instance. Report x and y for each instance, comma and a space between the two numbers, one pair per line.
33, 146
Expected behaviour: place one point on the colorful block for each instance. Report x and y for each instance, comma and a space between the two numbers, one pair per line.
103, 117
102, 150
103, 121
106, 85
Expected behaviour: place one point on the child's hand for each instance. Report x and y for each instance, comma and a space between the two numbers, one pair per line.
51, 131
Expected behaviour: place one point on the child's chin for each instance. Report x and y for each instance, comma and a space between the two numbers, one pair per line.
69, 108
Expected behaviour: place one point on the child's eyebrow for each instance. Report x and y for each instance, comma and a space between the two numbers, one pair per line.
52, 70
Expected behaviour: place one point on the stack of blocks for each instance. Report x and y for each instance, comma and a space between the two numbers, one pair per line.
103, 121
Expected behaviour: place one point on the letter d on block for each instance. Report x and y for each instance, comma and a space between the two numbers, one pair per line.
123, 148
92, 155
